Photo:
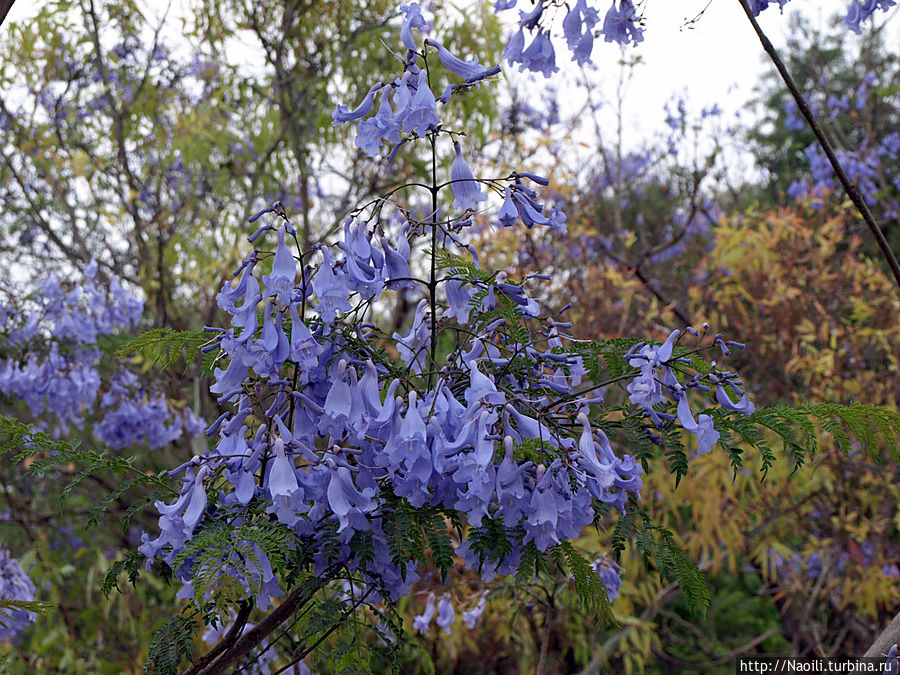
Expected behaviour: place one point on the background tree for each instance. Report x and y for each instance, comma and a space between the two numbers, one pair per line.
664, 260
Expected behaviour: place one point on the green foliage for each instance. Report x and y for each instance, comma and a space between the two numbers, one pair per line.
588, 586
438, 537
131, 564
21, 438
99, 463
220, 550
421, 535
532, 565
485, 283
798, 429
656, 544
603, 357
46, 456
7, 607
173, 643
163, 347
492, 541
738, 617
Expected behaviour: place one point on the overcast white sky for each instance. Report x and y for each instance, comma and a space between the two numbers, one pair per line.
717, 60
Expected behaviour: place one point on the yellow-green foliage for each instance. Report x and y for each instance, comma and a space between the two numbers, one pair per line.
821, 318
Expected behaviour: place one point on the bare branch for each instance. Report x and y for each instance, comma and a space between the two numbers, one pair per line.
851, 188
5, 6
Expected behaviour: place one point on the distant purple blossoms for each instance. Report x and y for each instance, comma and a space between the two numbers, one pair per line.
16, 586
58, 372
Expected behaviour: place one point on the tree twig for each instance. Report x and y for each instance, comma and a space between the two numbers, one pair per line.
253, 637
852, 190
5, 6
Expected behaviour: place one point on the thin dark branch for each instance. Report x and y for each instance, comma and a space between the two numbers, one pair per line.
5, 6
253, 637
852, 190
636, 270
230, 638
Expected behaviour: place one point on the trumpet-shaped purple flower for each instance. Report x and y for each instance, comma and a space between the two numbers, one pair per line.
420, 114
245, 315
580, 42
471, 616
230, 382
458, 297
304, 349
515, 47
466, 193
347, 502
382, 126
331, 289
414, 19
508, 213
744, 405
621, 25
396, 262
446, 613
470, 71
652, 357
281, 282
273, 340
557, 221
539, 56
603, 471
540, 526
412, 346
364, 263
422, 622
344, 114
702, 428
179, 518
284, 491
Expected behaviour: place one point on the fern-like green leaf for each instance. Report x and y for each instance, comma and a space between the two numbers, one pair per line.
131, 565
589, 588
163, 347
172, 643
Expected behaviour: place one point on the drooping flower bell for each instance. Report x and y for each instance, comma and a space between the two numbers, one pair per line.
465, 188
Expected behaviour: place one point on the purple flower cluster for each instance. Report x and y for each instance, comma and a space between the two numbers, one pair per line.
656, 381
436, 447
407, 105
519, 203
621, 24
869, 158
327, 433
61, 378
58, 371
135, 416
14, 585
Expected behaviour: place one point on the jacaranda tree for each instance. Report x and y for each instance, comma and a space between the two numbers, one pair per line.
350, 463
